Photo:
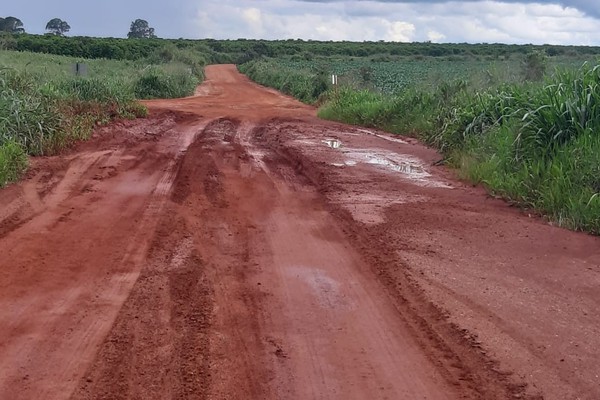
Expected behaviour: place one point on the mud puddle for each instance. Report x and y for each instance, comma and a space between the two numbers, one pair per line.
404, 167
333, 143
410, 167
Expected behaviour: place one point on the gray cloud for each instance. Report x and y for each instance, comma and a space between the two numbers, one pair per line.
591, 8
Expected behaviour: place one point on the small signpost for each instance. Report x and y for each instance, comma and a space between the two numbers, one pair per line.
79, 69
334, 82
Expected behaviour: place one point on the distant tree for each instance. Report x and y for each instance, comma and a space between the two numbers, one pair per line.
57, 26
534, 66
7, 41
140, 29
11, 25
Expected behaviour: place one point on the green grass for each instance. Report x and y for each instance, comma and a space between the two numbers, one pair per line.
45, 108
304, 84
13, 162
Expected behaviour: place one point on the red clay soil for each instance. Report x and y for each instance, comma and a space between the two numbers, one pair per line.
233, 246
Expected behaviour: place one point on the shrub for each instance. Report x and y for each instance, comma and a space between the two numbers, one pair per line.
13, 162
154, 83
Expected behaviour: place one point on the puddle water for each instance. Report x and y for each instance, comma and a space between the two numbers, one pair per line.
333, 143
328, 292
404, 167
409, 166
347, 163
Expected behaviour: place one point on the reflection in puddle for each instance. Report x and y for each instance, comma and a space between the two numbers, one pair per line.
347, 163
403, 167
333, 143
411, 167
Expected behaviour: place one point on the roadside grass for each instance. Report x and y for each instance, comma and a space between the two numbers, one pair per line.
13, 161
305, 84
45, 108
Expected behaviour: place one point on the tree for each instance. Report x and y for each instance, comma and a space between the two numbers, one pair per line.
58, 27
11, 25
534, 66
140, 29
7, 41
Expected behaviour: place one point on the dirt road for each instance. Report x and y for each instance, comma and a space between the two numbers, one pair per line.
233, 246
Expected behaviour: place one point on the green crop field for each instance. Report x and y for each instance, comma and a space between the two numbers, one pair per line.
391, 77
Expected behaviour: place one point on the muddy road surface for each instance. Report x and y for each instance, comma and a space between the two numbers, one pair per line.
233, 246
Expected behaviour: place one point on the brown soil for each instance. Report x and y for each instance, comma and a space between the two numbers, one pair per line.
233, 246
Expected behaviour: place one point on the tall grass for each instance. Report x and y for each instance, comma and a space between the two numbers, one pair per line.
13, 161
304, 84
44, 107
157, 83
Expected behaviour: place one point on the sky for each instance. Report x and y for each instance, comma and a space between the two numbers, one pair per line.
473, 21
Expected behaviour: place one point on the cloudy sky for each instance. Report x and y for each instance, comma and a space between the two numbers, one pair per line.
473, 21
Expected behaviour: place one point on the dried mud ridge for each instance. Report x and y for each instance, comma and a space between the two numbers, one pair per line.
232, 246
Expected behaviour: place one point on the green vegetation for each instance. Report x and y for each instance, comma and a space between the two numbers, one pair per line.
13, 161
140, 29
44, 107
57, 26
306, 83
242, 50
542, 148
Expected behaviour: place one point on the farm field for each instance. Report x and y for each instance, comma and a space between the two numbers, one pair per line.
397, 75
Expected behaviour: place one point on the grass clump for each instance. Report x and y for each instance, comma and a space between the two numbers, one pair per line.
156, 83
13, 162
307, 85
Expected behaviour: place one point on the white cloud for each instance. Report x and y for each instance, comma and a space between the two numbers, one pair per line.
254, 21
435, 37
468, 21
513, 21
400, 32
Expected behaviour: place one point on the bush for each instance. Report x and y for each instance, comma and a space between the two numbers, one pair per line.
305, 85
13, 162
534, 66
155, 83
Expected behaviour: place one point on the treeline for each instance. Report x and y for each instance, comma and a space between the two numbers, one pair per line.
242, 50
295, 47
